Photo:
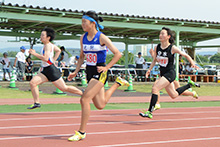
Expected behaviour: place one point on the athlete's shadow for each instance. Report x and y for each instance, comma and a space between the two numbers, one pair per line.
43, 136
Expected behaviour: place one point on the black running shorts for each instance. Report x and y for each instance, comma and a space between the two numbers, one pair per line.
91, 72
170, 75
51, 72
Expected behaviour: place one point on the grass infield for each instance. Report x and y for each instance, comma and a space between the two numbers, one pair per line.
75, 107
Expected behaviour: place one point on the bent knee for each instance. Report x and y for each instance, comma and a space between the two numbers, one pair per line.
173, 96
155, 89
100, 107
32, 84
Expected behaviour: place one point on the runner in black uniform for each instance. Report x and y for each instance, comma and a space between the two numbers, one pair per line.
165, 57
177, 85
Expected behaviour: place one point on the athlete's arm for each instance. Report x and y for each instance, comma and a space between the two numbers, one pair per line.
57, 52
153, 54
104, 40
177, 50
45, 57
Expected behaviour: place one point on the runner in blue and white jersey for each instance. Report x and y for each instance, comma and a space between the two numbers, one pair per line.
93, 46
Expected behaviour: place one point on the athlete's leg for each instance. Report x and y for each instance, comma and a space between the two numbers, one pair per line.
35, 81
95, 92
187, 92
60, 84
102, 98
93, 89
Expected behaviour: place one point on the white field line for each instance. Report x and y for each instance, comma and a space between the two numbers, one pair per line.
117, 132
159, 142
57, 112
105, 115
112, 123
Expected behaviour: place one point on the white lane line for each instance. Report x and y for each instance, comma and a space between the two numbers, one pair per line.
159, 142
105, 115
117, 132
109, 122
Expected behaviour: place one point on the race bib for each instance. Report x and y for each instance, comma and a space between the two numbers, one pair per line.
163, 61
91, 59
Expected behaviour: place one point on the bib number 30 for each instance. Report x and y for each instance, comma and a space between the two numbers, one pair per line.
91, 58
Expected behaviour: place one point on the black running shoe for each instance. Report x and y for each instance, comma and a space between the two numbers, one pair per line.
35, 105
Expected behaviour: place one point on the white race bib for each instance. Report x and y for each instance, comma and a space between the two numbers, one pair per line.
91, 59
163, 61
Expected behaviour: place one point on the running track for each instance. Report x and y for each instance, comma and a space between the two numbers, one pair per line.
170, 127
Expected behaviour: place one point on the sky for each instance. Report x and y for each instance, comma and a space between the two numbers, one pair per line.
184, 9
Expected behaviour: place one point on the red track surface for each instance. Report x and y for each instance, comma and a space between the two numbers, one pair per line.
169, 128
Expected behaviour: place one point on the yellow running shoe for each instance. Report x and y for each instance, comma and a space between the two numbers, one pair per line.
121, 81
157, 106
195, 95
77, 136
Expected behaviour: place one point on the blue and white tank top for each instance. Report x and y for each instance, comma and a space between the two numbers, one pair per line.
50, 60
93, 50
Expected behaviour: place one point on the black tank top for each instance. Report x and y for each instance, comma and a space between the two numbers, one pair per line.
165, 58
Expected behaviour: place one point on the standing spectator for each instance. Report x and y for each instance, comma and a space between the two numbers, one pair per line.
64, 57
29, 68
20, 57
139, 65
5, 62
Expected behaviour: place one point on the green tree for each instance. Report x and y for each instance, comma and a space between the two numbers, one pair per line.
215, 58
121, 61
12, 53
201, 58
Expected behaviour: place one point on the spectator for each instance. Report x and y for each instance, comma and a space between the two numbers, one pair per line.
5, 62
73, 60
139, 65
20, 57
189, 69
181, 65
29, 68
64, 57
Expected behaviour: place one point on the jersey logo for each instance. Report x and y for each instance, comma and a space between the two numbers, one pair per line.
92, 47
164, 54
95, 39
159, 53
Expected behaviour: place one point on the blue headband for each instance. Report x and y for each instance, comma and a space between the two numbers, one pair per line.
93, 20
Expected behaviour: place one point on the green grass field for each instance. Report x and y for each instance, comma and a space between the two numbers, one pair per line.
205, 90
74, 107
11, 94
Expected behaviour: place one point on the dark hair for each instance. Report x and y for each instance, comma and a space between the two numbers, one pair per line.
50, 33
62, 47
169, 32
93, 15
28, 58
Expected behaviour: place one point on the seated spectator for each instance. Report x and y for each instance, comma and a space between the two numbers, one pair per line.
189, 69
29, 68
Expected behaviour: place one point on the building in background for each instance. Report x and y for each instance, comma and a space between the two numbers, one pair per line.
140, 48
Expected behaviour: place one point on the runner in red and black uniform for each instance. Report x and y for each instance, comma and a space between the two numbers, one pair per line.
165, 57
